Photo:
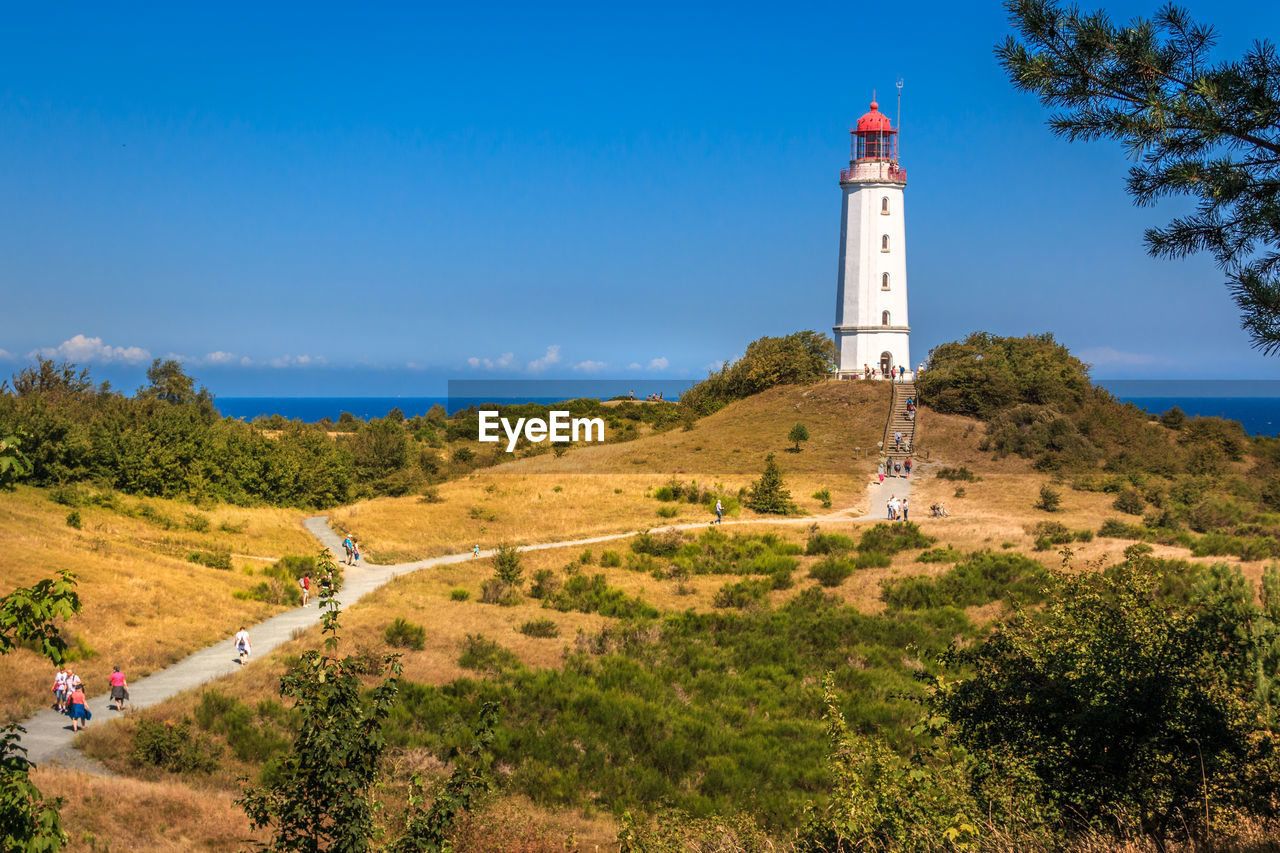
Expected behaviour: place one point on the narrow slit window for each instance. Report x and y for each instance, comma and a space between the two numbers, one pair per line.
884, 281
884, 243
884, 319
884, 206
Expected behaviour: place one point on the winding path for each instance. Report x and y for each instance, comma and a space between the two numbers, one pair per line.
48, 733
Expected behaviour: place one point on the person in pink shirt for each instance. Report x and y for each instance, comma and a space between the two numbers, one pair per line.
119, 688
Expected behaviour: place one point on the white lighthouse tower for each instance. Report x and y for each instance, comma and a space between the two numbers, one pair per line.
871, 327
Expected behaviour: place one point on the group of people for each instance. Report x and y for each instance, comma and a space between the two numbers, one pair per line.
352, 549
69, 699
897, 508
911, 408
894, 468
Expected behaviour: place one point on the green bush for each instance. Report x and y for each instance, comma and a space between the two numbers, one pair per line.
1050, 533
982, 578
272, 591
940, 555
894, 537
485, 655
545, 583
610, 559
1130, 501
540, 628
259, 735
1115, 529
961, 473
827, 543
197, 522
798, 359
459, 594
406, 635
73, 519
823, 496
664, 545
872, 560
173, 747
594, 595
667, 512
507, 566
741, 594
1050, 499
586, 558
832, 571
212, 559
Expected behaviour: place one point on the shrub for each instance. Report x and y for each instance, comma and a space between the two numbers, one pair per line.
197, 522
494, 591
1050, 499
1050, 533
212, 559
173, 747
667, 512
890, 538
459, 594
799, 358
545, 583
405, 635
827, 543
959, 492
768, 494
664, 545
742, 594
586, 558
1130, 502
252, 736
983, 578
961, 473
272, 591
823, 496
610, 559
940, 555
594, 595
485, 655
872, 560
832, 571
540, 628
73, 519
1116, 529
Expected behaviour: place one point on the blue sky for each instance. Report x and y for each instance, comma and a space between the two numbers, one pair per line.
325, 199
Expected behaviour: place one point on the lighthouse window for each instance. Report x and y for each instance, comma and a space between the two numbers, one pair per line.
884, 206
884, 243
884, 281
884, 319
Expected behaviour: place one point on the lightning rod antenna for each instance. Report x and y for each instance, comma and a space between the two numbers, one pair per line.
899, 84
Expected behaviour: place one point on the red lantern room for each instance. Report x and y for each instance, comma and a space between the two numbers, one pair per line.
873, 148
874, 138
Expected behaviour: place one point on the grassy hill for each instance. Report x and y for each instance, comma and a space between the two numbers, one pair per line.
598, 489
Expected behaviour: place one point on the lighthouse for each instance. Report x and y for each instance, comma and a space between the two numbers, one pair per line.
871, 296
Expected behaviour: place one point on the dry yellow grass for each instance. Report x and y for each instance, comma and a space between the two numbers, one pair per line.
143, 817
600, 489
145, 605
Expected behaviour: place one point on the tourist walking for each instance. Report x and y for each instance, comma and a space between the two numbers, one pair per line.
304, 583
897, 468
892, 506
119, 688
355, 551
60, 689
346, 547
906, 464
243, 646
897, 440
475, 550
80, 714
904, 509
719, 512
880, 471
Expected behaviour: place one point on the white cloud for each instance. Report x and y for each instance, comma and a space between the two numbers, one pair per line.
502, 362
635, 365
297, 361
552, 356
590, 366
1108, 356
83, 349
5, 355
659, 363
219, 357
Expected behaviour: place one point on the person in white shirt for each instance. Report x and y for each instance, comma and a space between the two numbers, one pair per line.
242, 644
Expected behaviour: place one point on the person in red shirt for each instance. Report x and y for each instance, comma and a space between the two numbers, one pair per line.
79, 710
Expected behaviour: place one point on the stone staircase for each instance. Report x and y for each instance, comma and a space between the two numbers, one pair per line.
899, 422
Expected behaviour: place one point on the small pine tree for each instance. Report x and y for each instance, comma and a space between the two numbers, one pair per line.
798, 433
506, 566
1050, 499
768, 494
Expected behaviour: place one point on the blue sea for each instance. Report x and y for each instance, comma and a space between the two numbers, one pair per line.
1259, 415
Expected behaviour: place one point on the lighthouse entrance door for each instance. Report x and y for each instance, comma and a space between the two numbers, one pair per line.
886, 361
